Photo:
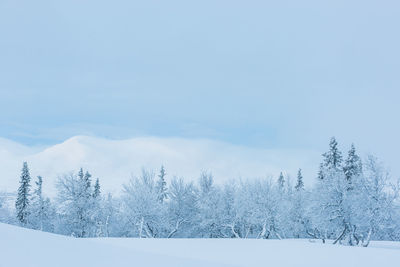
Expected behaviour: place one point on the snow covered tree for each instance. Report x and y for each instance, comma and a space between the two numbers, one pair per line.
241, 221
321, 171
233, 225
219, 210
330, 212
75, 200
298, 218
6, 212
41, 211
332, 160
109, 213
378, 205
206, 183
87, 182
22, 202
37, 209
161, 186
38, 190
208, 205
281, 181
352, 166
351, 203
141, 206
299, 184
260, 203
3, 211
98, 217
106, 217
80, 174
96, 191
182, 209
335, 210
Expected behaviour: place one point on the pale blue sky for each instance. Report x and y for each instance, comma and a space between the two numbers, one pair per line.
282, 74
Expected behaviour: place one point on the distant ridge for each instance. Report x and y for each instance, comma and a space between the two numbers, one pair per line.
115, 161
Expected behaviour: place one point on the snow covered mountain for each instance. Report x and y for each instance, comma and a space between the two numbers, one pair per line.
115, 161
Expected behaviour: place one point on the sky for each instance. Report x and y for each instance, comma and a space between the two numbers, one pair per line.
265, 74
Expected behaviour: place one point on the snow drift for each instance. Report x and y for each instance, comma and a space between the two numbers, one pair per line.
24, 247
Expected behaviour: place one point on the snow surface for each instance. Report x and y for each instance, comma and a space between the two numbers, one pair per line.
115, 161
24, 247
20, 247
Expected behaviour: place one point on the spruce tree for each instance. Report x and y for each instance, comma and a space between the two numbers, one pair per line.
96, 191
281, 181
39, 184
87, 182
321, 171
98, 219
22, 202
300, 184
80, 174
352, 166
86, 202
38, 205
161, 186
332, 158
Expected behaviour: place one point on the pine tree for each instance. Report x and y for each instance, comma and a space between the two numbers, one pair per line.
22, 202
96, 192
281, 181
352, 166
87, 205
87, 182
333, 158
40, 210
80, 174
300, 184
99, 220
38, 190
321, 171
161, 186
297, 211
37, 202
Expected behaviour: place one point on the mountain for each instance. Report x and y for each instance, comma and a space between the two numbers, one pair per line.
115, 161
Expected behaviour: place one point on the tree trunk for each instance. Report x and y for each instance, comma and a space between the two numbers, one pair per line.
263, 232
149, 231
341, 235
178, 223
233, 231
141, 227
368, 238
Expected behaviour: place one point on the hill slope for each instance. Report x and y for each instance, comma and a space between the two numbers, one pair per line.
20, 247
24, 247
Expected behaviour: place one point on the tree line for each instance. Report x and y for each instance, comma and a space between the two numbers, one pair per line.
352, 202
